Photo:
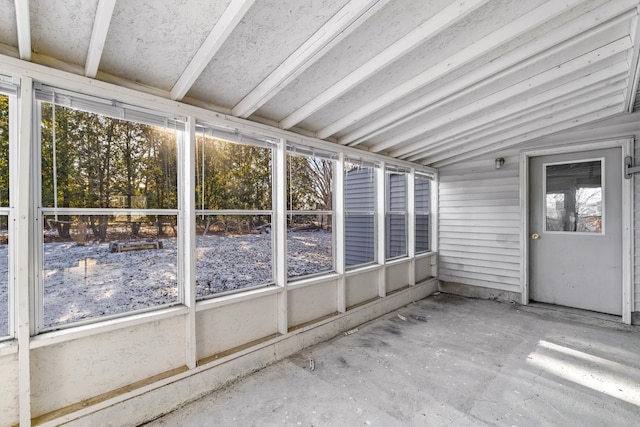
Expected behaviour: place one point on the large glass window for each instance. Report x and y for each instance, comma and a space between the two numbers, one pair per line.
422, 210
109, 209
396, 213
4, 217
574, 197
309, 211
234, 243
359, 205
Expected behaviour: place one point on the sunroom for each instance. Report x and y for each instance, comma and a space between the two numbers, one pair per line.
191, 190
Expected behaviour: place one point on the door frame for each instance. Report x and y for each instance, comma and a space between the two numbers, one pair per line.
625, 145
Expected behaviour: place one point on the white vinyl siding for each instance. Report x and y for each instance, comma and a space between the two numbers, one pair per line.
479, 225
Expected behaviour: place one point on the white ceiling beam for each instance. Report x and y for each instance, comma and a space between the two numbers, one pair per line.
591, 94
475, 50
541, 133
230, 18
23, 25
559, 71
606, 75
343, 23
434, 25
571, 118
99, 36
542, 47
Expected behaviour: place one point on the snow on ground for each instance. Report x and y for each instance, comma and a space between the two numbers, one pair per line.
86, 282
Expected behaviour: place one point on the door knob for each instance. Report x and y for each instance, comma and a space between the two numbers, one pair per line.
535, 236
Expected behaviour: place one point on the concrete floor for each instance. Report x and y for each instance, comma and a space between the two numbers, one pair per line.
445, 360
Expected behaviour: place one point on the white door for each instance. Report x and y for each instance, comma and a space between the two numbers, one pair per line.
575, 223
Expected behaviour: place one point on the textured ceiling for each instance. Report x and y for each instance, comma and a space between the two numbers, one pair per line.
434, 82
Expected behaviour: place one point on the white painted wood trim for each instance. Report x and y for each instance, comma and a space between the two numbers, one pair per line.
627, 237
524, 230
235, 298
380, 174
23, 25
23, 252
343, 23
314, 280
339, 233
98, 36
223, 28
188, 230
627, 207
279, 231
92, 329
430, 28
8, 347
411, 226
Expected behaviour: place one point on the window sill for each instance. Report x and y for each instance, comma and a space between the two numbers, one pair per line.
237, 297
315, 280
10, 346
72, 333
363, 269
425, 255
397, 261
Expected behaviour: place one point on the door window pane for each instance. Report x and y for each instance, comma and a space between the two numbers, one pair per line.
574, 197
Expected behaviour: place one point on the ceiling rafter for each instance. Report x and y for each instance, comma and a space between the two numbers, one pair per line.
575, 117
597, 20
439, 22
99, 36
23, 25
591, 93
503, 35
522, 104
539, 111
568, 68
223, 28
343, 23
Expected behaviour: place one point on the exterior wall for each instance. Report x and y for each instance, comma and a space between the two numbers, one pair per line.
479, 214
479, 217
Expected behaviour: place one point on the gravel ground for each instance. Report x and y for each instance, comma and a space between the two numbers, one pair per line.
85, 282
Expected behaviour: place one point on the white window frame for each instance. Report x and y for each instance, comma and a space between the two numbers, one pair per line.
116, 110
234, 136
10, 89
302, 150
428, 213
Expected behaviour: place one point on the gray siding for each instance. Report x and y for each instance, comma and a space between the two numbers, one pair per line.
479, 225
396, 223
422, 207
359, 227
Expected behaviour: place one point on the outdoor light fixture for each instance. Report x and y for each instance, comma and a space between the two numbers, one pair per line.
499, 162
